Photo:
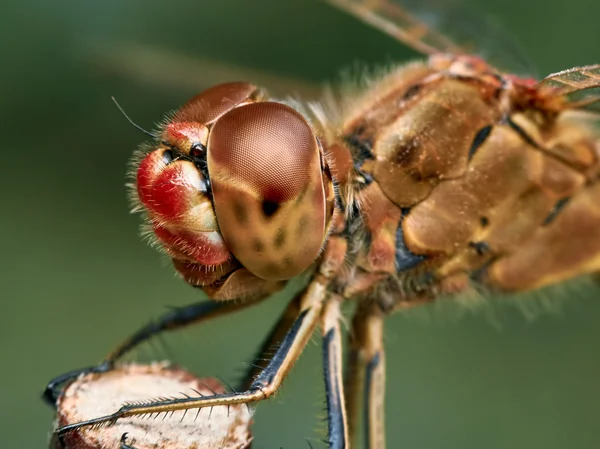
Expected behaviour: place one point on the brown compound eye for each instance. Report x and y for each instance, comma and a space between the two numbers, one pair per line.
209, 105
265, 168
188, 129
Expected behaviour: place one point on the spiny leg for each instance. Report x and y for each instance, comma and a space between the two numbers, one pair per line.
171, 320
354, 381
264, 386
123, 443
271, 343
365, 381
375, 399
337, 422
181, 317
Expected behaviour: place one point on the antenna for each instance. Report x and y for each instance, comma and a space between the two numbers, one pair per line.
148, 133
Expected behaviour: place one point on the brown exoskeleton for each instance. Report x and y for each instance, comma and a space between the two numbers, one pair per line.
438, 176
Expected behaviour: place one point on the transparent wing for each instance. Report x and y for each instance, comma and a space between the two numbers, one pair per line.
580, 85
147, 64
441, 26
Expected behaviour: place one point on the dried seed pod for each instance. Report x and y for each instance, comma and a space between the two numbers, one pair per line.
100, 394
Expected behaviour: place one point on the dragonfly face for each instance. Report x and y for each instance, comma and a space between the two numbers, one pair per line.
237, 189
440, 176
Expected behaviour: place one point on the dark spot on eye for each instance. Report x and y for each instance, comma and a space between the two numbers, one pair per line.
240, 212
279, 239
258, 245
269, 208
168, 157
302, 223
484, 221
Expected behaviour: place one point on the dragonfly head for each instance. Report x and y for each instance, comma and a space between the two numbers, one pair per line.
236, 180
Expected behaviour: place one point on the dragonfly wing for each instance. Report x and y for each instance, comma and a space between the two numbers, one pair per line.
147, 64
441, 26
580, 85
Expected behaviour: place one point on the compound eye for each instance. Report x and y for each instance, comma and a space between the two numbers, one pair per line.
209, 105
264, 163
188, 129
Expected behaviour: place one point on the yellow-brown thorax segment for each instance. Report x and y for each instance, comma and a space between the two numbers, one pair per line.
459, 172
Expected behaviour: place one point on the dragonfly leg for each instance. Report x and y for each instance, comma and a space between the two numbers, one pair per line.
54, 387
365, 381
173, 319
271, 342
123, 442
266, 383
332, 368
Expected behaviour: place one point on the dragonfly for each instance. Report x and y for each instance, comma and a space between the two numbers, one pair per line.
441, 177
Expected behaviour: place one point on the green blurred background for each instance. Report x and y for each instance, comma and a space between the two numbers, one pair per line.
76, 278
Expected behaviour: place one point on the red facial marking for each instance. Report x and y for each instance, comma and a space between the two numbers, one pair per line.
170, 193
149, 168
206, 248
174, 195
183, 134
